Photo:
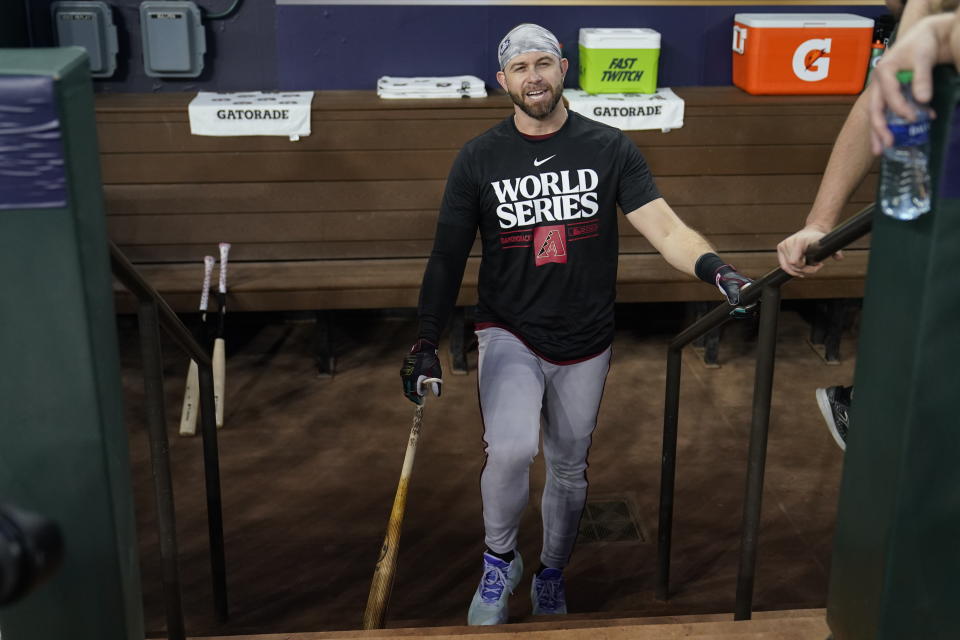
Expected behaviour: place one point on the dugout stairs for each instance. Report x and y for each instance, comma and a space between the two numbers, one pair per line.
154, 313
802, 624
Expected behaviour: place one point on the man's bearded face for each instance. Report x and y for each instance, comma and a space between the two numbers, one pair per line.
534, 82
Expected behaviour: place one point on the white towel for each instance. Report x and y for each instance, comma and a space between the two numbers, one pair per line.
630, 111
251, 113
431, 87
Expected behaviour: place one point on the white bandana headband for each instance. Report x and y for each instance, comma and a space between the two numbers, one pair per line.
524, 38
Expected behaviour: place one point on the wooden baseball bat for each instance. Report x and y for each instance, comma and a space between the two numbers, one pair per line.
386, 568
219, 345
191, 394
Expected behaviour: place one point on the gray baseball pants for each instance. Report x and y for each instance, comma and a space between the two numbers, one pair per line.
517, 390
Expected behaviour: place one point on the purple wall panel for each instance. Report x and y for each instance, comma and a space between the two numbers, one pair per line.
349, 47
338, 47
265, 46
241, 50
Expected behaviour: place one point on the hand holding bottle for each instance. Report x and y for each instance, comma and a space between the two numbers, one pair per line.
925, 45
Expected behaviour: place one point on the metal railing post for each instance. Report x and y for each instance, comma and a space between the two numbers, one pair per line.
160, 464
757, 456
211, 473
668, 466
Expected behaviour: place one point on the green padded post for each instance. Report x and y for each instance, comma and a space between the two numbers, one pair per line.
896, 559
63, 445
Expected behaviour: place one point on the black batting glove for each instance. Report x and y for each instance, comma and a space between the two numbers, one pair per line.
422, 362
732, 285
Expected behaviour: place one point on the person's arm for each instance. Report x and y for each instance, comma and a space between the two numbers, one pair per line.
685, 249
442, 278
680, 245
849, 163
456, 231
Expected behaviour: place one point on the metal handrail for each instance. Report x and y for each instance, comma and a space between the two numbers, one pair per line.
128, 275
766, 291
852, 229
153, 312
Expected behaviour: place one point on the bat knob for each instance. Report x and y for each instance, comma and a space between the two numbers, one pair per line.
434, 382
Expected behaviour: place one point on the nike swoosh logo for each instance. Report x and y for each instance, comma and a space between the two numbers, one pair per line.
537, 163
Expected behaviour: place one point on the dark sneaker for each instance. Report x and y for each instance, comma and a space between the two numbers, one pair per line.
500, 578
834, 403
547, 593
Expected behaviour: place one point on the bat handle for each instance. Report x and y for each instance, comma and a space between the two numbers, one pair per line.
224, 253
208, 262
423, 383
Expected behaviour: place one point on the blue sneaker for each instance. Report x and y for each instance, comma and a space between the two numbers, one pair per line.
548, 594
500, 578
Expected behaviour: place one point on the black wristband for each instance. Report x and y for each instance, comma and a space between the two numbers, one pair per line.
706, 267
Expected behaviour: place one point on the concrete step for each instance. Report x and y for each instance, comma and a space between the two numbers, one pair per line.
805, 624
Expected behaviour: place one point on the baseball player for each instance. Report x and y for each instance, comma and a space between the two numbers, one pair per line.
542, 186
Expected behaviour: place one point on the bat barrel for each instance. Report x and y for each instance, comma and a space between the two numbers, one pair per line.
385, 571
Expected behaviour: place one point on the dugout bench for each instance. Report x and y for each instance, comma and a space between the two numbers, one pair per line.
344, 218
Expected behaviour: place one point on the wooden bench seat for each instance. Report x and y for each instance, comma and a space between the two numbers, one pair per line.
344, 218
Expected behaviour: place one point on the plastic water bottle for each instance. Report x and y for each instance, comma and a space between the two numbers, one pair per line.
904, 172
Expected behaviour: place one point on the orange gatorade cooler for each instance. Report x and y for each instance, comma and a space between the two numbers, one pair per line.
801, 53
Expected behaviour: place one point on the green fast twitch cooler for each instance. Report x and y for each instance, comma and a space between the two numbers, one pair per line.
619, 60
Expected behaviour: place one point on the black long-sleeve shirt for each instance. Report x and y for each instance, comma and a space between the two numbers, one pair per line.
547, 214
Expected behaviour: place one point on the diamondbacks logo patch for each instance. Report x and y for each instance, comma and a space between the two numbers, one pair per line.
549, 244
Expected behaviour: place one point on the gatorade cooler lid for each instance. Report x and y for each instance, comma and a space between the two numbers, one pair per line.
601, 38
800, 20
